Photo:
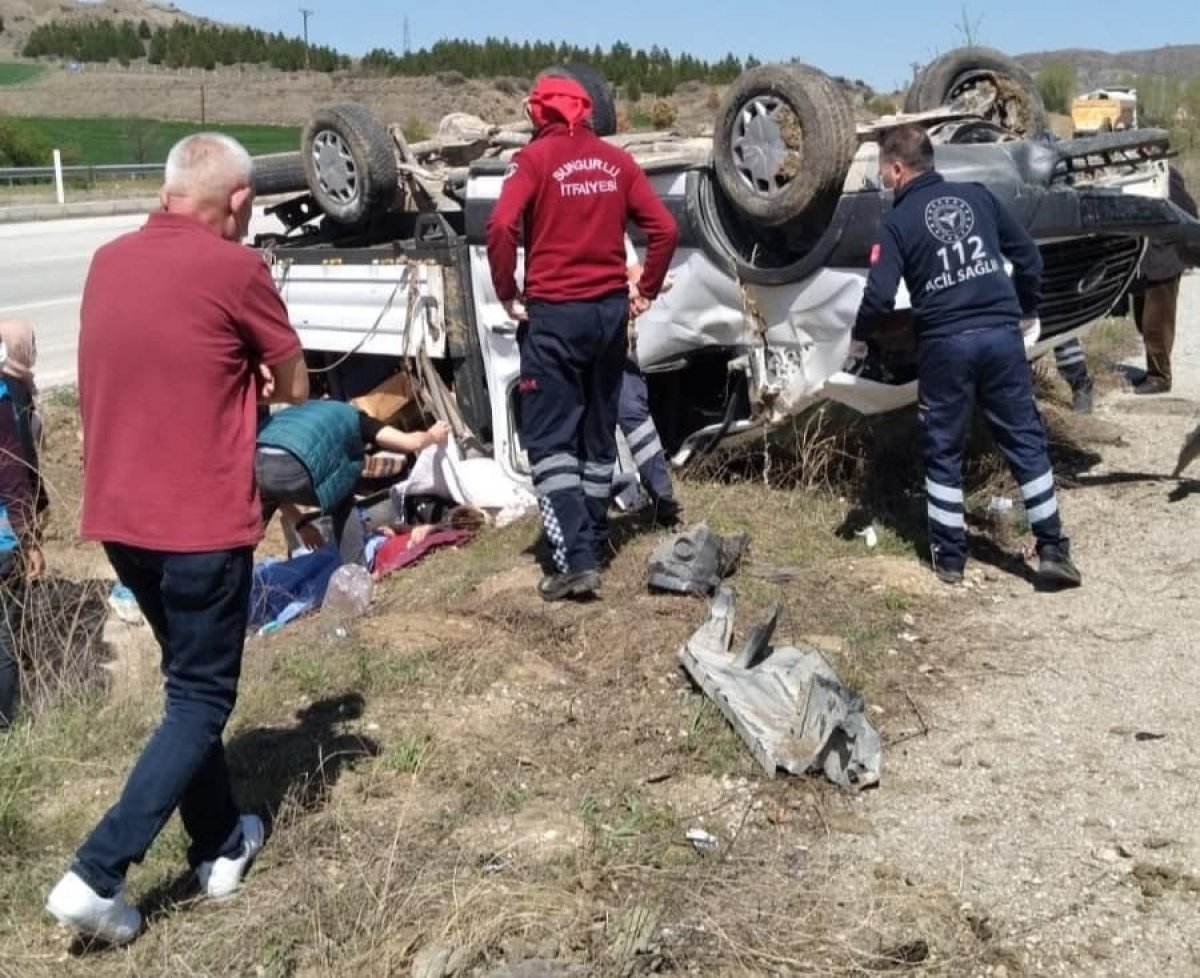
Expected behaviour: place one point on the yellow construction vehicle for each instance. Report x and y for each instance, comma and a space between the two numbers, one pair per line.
1104, 110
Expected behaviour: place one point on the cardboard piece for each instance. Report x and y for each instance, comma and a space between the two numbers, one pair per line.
393, 402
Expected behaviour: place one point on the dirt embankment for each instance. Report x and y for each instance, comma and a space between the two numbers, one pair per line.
252, 95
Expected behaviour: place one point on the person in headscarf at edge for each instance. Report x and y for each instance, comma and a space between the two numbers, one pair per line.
22, 500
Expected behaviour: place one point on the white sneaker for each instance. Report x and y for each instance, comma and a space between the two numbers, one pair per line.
73, 903
220, 878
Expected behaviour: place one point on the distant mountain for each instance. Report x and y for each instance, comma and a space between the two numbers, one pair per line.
1095, 69
22, 16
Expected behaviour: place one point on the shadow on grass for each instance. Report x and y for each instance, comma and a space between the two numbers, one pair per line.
298, 764
271, 767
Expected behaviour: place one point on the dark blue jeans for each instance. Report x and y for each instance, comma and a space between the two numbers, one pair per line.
198, 606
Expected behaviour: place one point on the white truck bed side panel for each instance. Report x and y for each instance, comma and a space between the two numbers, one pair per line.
392, 309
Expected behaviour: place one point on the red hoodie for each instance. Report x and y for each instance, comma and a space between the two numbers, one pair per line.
575, 192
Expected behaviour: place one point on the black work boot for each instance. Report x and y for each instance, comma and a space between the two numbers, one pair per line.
1055, 569
572, 584
948, 575
1153, 385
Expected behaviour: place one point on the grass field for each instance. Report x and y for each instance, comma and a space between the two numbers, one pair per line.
129, 140
16, 74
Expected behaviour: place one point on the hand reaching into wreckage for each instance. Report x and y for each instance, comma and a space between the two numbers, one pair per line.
394, 440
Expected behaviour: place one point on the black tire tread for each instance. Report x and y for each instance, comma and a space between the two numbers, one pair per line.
604, 107
279, 173
829, 139
932, 86
371, 147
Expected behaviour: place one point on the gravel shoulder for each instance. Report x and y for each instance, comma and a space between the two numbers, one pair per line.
1055, 794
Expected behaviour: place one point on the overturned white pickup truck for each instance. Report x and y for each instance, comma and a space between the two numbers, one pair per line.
382, 257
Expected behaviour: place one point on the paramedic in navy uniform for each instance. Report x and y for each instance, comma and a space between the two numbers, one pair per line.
948, 241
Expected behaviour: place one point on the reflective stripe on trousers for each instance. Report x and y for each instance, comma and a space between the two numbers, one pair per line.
985, 367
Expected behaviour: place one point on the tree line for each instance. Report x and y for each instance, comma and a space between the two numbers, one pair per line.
181, 45
656, 71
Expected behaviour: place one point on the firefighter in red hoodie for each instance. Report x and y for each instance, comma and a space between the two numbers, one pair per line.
569, 195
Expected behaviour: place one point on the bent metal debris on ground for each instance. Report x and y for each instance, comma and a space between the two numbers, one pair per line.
786, 703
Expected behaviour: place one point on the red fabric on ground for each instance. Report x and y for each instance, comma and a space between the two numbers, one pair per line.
397, 553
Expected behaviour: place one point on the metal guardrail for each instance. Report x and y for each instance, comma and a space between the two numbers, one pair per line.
15, 174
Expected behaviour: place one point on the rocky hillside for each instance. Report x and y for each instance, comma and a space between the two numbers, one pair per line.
22, 16
1097, 68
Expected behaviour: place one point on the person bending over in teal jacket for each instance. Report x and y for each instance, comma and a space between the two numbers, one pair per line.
312, 455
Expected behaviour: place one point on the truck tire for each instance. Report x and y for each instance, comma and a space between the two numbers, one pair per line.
349, 163
746, 254
279, 173
959, 77
783, 141
604, 107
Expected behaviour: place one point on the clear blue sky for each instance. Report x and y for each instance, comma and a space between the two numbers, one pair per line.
866, 39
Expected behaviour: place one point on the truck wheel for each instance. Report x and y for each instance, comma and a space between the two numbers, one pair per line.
754, 254
604, 108
349, 163
982, 81
279, 173
783, 140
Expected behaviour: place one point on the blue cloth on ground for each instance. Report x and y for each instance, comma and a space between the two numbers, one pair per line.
285, 589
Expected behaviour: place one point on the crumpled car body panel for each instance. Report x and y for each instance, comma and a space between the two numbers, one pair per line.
786, 703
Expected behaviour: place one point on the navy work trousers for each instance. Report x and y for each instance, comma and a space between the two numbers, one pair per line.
571, 358
955, 372
636, 424
1071, 362
198, 606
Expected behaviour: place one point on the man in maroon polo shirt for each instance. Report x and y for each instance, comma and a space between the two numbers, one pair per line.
181, 330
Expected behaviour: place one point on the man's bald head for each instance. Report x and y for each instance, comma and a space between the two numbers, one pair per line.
208, 165
210, 176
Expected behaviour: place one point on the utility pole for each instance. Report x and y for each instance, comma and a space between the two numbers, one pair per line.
407, 36
305, 14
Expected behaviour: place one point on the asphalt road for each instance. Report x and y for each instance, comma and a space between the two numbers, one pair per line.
44, 266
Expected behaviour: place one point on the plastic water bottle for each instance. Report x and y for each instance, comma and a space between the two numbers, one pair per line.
123, 604
346, 598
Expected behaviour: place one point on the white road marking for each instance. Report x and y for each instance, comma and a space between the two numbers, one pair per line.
51, 259
44, 304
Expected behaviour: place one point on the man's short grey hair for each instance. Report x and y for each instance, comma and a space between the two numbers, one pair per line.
208, 165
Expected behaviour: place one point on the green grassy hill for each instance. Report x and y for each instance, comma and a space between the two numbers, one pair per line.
110, 140
17, 74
